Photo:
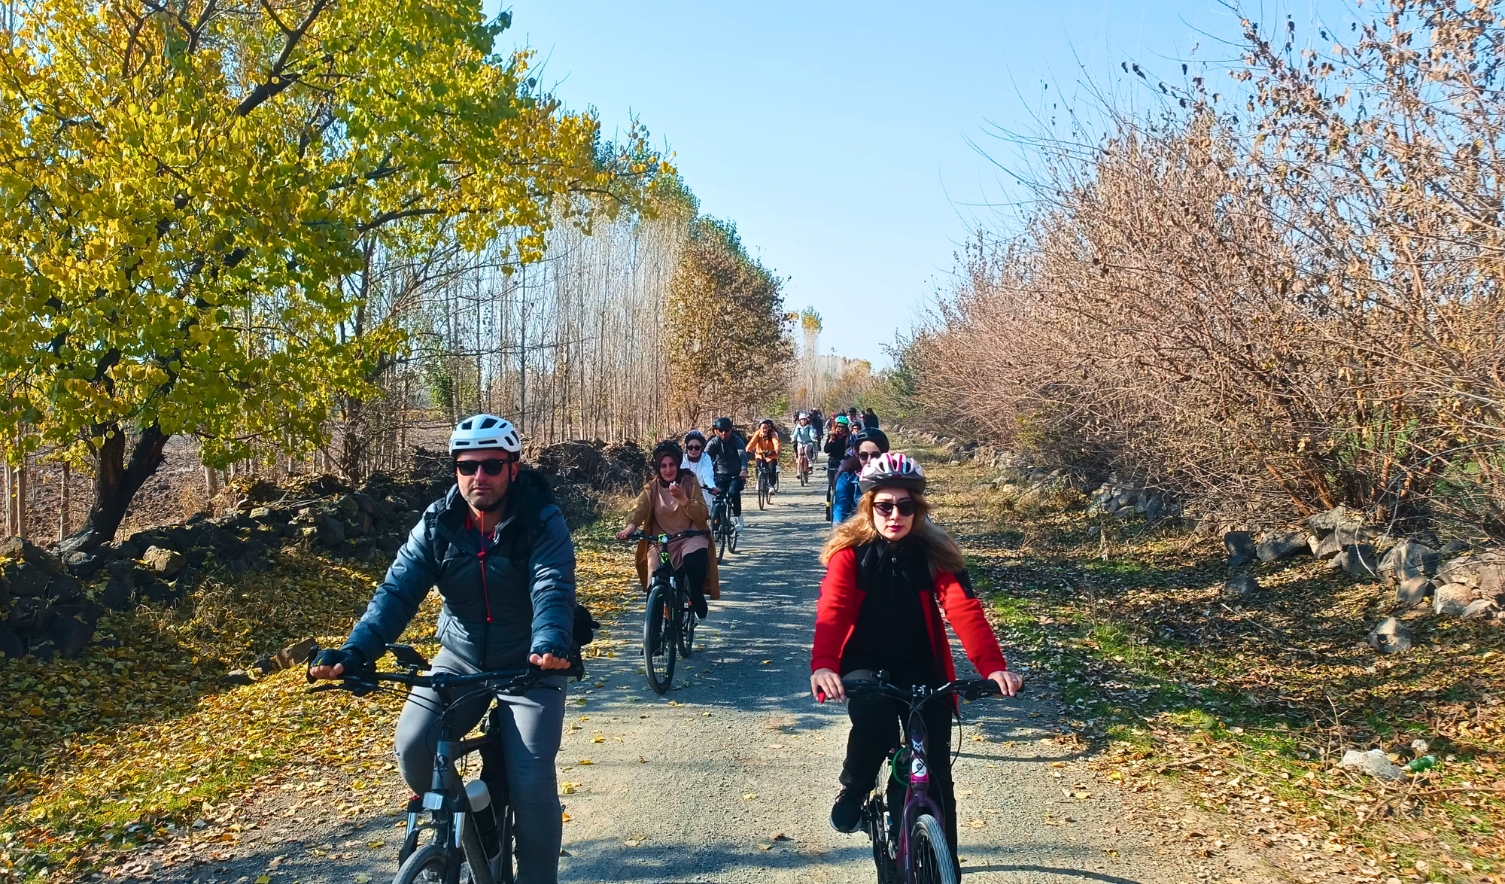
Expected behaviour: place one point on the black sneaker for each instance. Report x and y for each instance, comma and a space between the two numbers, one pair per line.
698, 605
846, 813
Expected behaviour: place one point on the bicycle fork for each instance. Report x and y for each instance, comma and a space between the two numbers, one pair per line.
447, 798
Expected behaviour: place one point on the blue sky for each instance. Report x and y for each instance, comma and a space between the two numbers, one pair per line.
836, 135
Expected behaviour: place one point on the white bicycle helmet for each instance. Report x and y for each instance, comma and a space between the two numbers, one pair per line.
484, 431
892, 470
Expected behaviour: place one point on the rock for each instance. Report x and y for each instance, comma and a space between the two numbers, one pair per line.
1391, 636
29, 617
24, 551
1094, 532
116, 595
1453, 548
1414, 591
86, 611
84, 565
366, 502
1280, 545
158, 592
1351, 535
1373, 763
347, 507
1409, 559
166, 562
26, 580
1240, 587
126, 549
1124, 513
331, 531
1491, 581
11, 645
64, 588
69, 636
1451, 600
294, 654
1359, 560
265, 664
1464, 569
1333, 519
1478, 608
1326, 547
390, 543
235, 678
121, 569
1240, 546
261, 513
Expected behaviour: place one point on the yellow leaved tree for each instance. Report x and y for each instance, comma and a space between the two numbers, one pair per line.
188, 187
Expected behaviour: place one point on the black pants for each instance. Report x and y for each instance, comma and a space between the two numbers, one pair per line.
876, 731
697, 565
732, 485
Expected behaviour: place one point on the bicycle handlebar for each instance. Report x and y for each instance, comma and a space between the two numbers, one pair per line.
968, 689
665, 538
368, 679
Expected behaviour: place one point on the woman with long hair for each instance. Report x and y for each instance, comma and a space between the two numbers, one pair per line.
671, 502
866, 445
890, 572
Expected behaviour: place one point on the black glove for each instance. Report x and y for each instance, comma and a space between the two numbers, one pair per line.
352, 659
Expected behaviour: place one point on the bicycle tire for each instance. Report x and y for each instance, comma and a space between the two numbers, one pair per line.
687, 634
883, 859
721, 537
929, 856
733, 541
506, 835
428, 865
659, 641
762, 490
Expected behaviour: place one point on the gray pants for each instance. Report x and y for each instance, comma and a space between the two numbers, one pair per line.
530, 730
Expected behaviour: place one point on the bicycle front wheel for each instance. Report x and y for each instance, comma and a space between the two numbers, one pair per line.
687, 634
659, 641
763, 491
427, 865
721, 537
929, 856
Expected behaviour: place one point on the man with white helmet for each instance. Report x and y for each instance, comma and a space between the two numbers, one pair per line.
498, 550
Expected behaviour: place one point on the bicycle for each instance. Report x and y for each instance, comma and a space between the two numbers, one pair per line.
913, 849
472, 837
723, 528
668, 623
768, 482
802, 467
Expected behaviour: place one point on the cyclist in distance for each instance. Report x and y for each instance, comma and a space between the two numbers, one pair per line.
671, 502
836, 451
696, 462
818, 421
869, 419
866, 445
728, 454
500, 554
764, 447
804, 439
890, 573
854, 420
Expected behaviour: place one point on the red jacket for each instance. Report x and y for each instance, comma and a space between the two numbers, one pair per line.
840, 600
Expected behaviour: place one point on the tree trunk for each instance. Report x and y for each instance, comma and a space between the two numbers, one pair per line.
65, 498
211, 483
116, 483
10, 522
21, 500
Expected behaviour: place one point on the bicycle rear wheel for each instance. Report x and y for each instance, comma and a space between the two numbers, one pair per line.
659, 641
928, 854
762, 490
427, 865
732, 541
721, 537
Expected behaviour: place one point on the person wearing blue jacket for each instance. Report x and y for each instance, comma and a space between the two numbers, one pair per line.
498, 550
866, 445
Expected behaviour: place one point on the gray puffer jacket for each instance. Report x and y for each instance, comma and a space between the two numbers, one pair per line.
513, 598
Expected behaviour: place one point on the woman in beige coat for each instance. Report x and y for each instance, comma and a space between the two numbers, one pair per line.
672, 502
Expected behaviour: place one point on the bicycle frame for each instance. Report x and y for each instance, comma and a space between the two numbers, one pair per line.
917, 794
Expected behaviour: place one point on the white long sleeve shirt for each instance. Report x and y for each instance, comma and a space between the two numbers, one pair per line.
704, 474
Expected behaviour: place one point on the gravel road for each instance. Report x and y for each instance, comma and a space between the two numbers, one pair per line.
729, 777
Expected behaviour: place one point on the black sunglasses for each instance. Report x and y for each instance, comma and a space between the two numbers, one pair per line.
694, 447
906, 507
868, 455
492, 465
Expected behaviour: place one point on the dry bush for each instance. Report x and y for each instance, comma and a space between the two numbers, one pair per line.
1277, 312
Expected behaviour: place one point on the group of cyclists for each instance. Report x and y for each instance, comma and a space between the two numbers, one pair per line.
497, 549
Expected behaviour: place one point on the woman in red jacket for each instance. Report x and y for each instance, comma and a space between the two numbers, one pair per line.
887, 567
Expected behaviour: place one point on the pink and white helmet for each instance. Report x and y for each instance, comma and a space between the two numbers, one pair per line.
892, 470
